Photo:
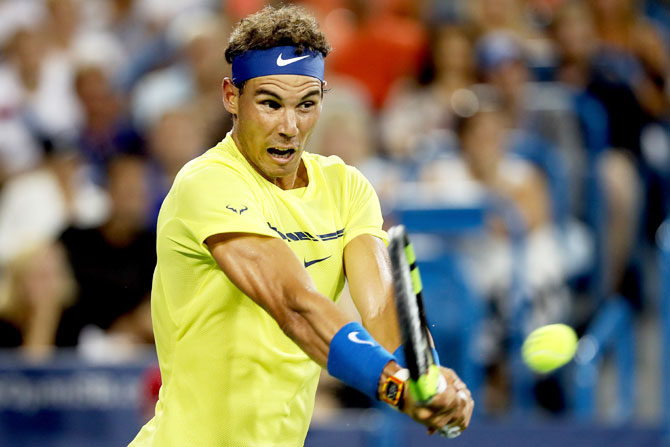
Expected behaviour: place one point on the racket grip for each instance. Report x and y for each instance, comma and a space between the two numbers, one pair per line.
427, 385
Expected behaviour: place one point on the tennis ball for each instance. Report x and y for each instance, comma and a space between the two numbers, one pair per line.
549, 347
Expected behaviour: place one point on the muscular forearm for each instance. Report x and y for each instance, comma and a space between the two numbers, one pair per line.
311, 321
371, 286
268, 272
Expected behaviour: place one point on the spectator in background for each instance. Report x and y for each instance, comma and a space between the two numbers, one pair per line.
124, 19
632, 51
36, 286
36, 206
486, 165
545, 129
393, 45
107, 130
577, 47
113, 263
635, 62
512, 17
193, 81
41, 82
416, 111
176, 138
200, 41
542, 109
61, 25
346, 129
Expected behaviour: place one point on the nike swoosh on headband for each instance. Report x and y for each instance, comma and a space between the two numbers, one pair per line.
284, 62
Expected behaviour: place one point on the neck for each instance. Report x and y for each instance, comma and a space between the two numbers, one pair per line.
297, 179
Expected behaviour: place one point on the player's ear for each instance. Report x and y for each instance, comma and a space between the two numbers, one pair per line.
231, 96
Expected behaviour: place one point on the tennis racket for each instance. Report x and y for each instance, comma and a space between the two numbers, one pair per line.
425, 378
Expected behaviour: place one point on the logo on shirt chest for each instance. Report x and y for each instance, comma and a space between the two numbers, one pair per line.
294, 236
314, 261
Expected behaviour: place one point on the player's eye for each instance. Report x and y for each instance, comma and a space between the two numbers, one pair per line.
271, 104
307, 105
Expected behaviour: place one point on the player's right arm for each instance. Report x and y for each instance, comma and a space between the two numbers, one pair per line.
266, 270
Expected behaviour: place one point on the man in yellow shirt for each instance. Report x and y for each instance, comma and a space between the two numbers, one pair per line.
254, 241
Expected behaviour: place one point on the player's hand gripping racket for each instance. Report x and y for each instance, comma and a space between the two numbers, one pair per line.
425, 378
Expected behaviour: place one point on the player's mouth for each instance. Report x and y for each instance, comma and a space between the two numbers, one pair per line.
282, 155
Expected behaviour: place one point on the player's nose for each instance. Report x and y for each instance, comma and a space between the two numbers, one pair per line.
288, 125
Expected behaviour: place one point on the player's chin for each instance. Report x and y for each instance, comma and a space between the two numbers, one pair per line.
277, 171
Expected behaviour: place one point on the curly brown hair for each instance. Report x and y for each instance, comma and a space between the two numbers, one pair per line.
275, 27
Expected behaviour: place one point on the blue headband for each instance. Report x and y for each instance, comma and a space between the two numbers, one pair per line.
275, 61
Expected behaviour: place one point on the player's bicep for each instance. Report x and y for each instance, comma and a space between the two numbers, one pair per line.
368, 271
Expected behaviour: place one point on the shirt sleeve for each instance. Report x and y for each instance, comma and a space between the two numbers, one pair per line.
364, 214
216, 200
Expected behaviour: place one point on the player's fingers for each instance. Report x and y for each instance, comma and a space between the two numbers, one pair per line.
452, 379
453, 415
461, 419
461, 416
458, 384
422, 414
468, 411
448, 399
448, 420
433, 418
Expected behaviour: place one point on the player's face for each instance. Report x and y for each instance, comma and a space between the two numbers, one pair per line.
275, 118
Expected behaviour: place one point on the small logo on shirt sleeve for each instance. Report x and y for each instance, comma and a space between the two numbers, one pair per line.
238, 210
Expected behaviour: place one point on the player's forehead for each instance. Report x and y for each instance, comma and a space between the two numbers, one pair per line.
284, 86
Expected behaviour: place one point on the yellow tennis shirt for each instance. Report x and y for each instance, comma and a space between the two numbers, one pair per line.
230, 375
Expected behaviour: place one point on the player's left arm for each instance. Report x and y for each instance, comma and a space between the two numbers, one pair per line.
368, 269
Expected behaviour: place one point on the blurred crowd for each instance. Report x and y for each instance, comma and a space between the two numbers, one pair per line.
560, 109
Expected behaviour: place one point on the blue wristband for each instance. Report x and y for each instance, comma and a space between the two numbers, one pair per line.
399, 355
357, 359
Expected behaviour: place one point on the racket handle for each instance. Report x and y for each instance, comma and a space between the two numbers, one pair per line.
427, 385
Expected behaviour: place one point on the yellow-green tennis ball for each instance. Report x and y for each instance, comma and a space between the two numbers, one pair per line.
549, 347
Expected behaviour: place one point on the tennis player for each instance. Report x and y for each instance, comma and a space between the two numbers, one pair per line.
254, 241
